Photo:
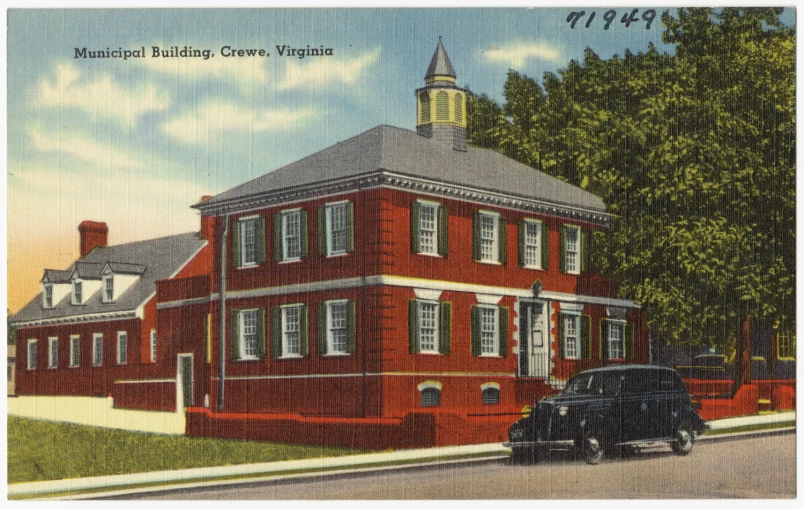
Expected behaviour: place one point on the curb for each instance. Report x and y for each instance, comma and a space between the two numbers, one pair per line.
120, 485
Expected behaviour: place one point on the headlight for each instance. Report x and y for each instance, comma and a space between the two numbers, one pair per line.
516, 434
562, 411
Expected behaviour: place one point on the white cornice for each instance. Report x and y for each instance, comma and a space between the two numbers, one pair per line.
94, 317
402, 182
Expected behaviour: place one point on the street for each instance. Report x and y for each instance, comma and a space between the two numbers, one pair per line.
758, 467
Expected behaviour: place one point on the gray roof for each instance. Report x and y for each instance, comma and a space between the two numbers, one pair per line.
57, 276
88, 270
440, 64
126, 268
162, 257
400, 151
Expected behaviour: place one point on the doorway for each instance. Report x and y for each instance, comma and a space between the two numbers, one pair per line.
534, 339
184, 381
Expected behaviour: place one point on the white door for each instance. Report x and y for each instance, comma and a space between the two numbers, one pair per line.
539, 340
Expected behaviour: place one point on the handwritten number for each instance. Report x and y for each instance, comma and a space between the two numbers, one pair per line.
648, 16
609, 17
574, 17
589, 21
627, 20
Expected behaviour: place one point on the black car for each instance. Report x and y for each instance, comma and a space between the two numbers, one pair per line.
609, 409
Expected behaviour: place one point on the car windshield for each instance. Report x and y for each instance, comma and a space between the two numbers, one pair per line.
605, 383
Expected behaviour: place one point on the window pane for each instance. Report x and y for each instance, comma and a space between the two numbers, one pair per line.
97, 351
109, 289
292, 234
572, 250
488, 238
616, 340
291, 330
338, 327
571, 337
428, 327
78, 290
427, 229
75, 345
53, 356
431, 397
32, 355
488, 331
248, 236
122, 353
153, 345
533, 251
337, 228
249, 333
491, 396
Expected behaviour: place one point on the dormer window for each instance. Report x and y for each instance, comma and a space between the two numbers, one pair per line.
78, 288
48, 296
108, 288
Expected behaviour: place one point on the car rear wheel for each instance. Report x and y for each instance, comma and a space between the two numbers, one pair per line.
592, 450
685, 437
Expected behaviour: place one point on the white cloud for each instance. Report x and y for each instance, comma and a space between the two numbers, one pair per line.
100, 95
215, 117
243, 71
316, 72
515, 54
85, 149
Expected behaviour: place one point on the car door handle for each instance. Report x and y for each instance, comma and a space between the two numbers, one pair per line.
643, 406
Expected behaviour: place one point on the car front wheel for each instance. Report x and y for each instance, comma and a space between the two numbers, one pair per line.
685, 437
525, 455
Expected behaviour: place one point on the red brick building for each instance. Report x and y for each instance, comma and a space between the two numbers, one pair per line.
397, 289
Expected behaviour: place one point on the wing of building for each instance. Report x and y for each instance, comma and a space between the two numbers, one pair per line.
397, 289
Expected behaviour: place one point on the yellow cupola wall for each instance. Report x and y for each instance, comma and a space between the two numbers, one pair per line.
441, 104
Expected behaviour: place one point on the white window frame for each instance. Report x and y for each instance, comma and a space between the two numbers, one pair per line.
286, 331
78, 297
32, 359
52, 356
612, 324
244, 315
286, 239
576, 254
47, 295
495, 240
331, 350
153, 345
534, 242
108, 280
243, 225
97, 349
122, 341
75, 350
432, 249
329, 208
421, 304
575, 319
485, 351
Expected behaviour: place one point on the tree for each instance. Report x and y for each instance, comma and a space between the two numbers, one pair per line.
694, 154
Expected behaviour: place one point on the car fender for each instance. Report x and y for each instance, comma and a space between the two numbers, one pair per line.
691, 416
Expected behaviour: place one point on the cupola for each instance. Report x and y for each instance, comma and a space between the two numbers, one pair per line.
441, 104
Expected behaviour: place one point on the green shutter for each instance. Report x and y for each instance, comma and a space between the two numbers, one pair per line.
502, 243
562, 249
443, 231
585, 250
260, 239
304, 330
350, 225
521, 241
586, 326
629, 341
413, 326
561, 337
305, 236
321, 332
545, 246
261, 333
503, 332
445, 330
476, 237
235, 336
415, 211
351, 327
236, 260
322, 230
475, 333
604, 339
276, 332
277, 244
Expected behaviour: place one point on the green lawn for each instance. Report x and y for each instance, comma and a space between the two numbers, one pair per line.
40, 451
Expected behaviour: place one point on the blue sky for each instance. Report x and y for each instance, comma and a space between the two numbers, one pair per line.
134, 143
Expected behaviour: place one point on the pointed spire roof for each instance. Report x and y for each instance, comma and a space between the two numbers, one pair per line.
440, 64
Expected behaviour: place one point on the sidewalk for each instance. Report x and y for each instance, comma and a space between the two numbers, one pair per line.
195, 477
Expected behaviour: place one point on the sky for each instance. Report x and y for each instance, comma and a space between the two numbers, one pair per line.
136, 142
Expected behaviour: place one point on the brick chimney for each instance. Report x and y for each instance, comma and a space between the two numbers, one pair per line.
92, 234
207, 222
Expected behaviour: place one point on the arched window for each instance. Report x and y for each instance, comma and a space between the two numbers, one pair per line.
431, 396
442, 106
491, 396
458, 108
424, 99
